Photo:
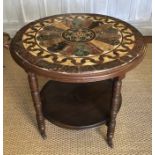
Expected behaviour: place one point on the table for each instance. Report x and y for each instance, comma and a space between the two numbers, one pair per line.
86, 56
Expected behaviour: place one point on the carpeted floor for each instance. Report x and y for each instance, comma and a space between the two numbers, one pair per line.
133, 131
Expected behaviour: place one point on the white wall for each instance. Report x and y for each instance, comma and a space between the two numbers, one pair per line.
19, 12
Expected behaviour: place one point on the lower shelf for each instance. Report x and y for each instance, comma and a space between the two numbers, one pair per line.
77, 106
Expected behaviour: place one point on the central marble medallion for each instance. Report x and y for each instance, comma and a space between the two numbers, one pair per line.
78, 35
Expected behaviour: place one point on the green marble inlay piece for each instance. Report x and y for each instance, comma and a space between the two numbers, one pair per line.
77, 23
79, 52
82, 50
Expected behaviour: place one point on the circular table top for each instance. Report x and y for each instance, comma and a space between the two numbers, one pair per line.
78, 46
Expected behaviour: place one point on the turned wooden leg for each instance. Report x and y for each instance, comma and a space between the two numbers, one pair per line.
114, 109
33, 82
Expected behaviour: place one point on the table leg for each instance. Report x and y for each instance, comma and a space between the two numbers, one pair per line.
33, 82
114, 110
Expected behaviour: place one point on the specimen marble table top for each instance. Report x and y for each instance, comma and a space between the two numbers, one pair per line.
77, 43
